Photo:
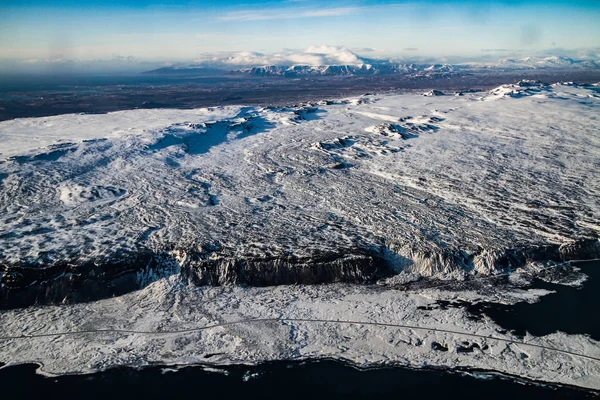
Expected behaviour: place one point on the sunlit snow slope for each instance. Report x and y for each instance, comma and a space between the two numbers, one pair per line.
347, 190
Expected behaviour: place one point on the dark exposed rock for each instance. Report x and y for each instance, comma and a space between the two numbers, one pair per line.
25, 284
69, 281
438, 346
580, 250
434, 93
354, 266
76, 280
467, 347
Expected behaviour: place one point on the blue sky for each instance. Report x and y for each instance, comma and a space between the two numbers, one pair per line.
183, 30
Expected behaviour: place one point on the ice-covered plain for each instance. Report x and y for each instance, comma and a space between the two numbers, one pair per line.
387, 188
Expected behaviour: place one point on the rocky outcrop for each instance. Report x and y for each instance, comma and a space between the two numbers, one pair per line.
25, 284
353, 265
433, 93
450, 262
79, 280
585, 249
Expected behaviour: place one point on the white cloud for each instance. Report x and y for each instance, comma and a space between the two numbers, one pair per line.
288, 13
314, 55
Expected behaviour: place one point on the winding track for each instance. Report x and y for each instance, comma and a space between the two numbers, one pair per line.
325, 321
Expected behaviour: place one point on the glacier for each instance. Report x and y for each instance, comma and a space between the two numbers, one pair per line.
226, 213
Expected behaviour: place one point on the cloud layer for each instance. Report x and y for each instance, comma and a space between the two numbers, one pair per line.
313, 55
287, 13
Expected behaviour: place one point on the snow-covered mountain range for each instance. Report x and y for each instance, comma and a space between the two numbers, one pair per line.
336, 70
547, 62
339, 61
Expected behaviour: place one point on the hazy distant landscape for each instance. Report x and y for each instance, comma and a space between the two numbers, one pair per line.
37, 96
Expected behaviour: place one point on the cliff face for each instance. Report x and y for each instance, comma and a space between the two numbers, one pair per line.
350, 266
22, 285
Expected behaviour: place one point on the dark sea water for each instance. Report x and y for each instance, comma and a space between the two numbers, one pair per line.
570, 309
280, 380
